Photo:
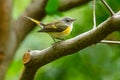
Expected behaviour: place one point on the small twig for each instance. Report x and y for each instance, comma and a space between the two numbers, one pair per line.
110, 42
94, 16
108, 7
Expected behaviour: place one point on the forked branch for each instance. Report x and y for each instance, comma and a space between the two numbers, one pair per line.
94, 22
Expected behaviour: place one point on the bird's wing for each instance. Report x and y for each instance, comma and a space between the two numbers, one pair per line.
54, 27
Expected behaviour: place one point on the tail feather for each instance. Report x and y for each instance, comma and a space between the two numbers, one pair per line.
36, 21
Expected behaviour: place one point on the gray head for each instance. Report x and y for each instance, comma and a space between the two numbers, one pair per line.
68, 20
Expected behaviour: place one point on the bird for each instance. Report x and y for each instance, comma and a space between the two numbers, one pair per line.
57, 29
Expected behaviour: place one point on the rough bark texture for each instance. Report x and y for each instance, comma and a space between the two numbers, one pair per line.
34, 59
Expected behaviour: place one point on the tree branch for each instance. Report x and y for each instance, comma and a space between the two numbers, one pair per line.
5, 16
110, 42
5, 25
68, 4
34, 59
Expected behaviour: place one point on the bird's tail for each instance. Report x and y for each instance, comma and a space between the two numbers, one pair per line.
36, 21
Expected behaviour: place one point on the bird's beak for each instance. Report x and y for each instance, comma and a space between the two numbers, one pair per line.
33, 20
74, 19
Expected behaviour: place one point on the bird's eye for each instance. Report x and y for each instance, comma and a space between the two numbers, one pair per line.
67, 20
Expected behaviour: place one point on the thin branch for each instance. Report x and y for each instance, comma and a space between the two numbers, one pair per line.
69, 4
94, 22
35, 59
94, 16
110, 42
108, 7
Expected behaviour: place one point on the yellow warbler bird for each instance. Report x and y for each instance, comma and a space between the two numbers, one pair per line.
58, 29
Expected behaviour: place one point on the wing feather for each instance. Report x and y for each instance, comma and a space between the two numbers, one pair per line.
54, 27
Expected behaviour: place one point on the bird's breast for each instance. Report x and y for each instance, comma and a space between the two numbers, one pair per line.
62, 34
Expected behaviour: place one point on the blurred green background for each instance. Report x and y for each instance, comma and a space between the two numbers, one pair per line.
96, 62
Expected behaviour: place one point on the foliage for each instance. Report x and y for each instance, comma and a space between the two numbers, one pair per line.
97, 62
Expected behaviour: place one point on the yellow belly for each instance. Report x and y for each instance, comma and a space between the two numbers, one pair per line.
60, 34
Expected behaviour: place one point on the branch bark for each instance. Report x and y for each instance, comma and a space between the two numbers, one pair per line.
5, 25
34, 59
68, 4
5, 16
